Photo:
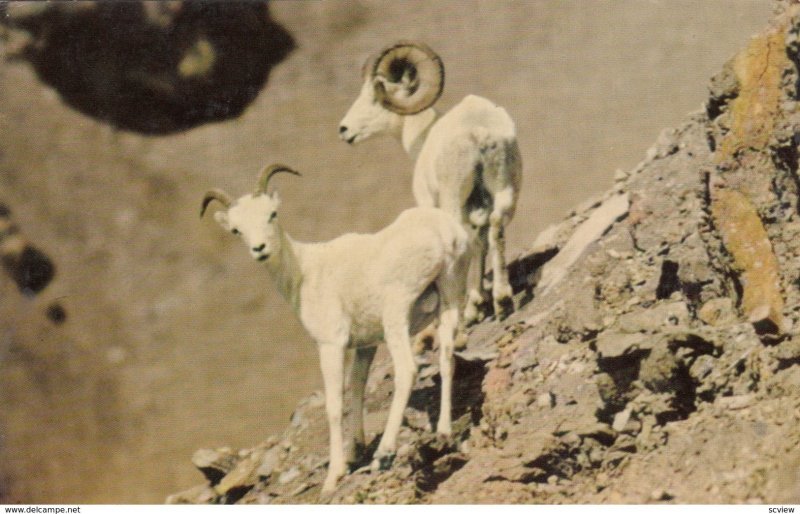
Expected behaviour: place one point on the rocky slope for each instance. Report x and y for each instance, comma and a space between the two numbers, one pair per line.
654, 356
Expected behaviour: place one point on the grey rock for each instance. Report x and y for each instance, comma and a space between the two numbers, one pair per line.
621, 419
269, 461
736, 402
656, 318
718, 311
288, 476
215, 464
242, 476
546, 400
616, 344
587, 233
200, 494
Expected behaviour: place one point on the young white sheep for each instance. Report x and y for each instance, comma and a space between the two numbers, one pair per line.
467, 161
355, 290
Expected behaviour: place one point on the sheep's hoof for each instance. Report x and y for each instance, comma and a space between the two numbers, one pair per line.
329, 485
363, 470
472, 314
503, 307
471, 320
357, 457
383, 462
474, 299
460, 341
424, 339
444, 431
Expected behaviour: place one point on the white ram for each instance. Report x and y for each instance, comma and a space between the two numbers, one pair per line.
467, 161
355, 290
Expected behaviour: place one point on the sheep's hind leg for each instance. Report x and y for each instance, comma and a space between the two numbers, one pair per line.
452, 288
358, 382
331, 358
395, 327
503, 301
477, 271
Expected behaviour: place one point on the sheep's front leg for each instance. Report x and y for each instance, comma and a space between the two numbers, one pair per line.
331, 359
361, 364
395, 329
501, 289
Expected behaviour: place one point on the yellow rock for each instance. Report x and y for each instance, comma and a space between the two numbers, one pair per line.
758, 69
746, 240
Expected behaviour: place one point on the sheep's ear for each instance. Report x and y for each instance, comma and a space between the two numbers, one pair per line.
276, 198
222, 219
378, 80
409, 81
401, 89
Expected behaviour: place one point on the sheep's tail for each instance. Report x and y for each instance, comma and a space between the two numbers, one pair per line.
491, 168
488, 162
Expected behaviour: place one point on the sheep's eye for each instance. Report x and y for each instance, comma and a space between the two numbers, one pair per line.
235, 232
273, 215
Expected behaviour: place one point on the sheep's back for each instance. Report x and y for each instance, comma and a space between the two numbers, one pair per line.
360, 274
457, 145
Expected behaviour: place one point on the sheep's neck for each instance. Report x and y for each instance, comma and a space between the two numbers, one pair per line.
286, 270
415, 130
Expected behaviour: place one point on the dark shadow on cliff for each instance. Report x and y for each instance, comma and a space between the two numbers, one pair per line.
159, 68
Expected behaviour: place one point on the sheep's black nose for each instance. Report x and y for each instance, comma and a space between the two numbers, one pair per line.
259, 248
342, 129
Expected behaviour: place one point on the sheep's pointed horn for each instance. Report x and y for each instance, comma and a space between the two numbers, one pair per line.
215, 194
268, 172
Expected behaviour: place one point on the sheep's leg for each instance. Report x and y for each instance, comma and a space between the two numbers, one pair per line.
395, 327
358, 382
447, 331
451, 330
477, 267
331, 359
424, 339
452, 289
501, 289
483, 249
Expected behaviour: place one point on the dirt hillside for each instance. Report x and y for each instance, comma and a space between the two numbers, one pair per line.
170, 338
655, 358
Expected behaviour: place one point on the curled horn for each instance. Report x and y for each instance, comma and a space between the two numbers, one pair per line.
268, 172
215, 194
417, 72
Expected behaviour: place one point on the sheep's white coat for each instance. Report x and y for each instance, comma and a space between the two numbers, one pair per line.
467, 163
357, 289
